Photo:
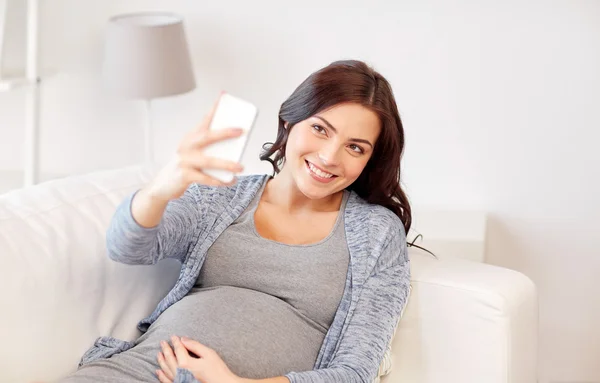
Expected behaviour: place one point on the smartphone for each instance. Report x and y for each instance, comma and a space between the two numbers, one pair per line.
231, 112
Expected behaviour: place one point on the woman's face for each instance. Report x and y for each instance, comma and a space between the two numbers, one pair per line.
327, 152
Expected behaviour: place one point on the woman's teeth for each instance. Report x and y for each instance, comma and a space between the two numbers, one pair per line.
319, 172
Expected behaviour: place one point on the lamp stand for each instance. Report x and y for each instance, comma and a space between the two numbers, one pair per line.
32, 125
3, 18
32, 119
148, 136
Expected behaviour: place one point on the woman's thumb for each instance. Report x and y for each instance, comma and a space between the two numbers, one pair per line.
196, 347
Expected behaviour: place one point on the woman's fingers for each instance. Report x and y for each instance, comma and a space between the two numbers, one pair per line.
200, 161
198, 140
205, 124
162, 378
193, 175
169, 359
162, 363
180, 352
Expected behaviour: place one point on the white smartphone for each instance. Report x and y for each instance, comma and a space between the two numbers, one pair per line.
231, 112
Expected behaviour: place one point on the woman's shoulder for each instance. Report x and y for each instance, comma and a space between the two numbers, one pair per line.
251, 179
246, 186
377, 224
376, 230
374, 215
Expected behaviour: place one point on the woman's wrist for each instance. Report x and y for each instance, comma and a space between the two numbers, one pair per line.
146, 209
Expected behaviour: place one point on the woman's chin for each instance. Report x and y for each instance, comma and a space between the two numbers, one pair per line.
311, 189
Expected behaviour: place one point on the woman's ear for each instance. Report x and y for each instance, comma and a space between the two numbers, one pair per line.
285, 125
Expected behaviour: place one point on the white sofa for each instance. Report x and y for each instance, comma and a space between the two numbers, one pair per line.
465, 321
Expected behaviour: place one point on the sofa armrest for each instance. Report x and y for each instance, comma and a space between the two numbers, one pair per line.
466, 322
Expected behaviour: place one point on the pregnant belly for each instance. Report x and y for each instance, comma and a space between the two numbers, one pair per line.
257, 335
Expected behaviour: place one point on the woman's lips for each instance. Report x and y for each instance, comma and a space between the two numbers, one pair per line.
317, 177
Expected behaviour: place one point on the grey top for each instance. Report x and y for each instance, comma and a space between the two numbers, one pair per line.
375, 290
275, 302
308, 278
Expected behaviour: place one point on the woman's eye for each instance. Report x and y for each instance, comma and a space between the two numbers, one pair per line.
318, 128
356, 148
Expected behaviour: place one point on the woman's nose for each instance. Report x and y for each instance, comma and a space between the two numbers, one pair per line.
329, 157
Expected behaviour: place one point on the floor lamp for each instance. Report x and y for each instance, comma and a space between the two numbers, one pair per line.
146, 57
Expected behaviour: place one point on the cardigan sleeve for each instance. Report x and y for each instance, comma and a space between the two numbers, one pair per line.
184, 376
382, 298
130, 243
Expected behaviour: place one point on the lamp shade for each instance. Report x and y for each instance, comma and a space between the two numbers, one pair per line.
146, 56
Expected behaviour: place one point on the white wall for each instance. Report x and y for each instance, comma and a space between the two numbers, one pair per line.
500, 103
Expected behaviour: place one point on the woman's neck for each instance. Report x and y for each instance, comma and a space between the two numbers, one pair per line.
283, 192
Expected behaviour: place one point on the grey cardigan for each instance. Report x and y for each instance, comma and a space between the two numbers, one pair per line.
377, 282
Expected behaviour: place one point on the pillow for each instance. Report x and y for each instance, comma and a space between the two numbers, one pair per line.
386, 364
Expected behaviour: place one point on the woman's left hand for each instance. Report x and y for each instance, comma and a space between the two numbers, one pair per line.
208, 368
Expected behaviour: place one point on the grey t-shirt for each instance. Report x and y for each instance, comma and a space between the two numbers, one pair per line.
264, 306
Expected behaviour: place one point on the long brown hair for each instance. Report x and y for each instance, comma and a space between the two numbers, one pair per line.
356, 82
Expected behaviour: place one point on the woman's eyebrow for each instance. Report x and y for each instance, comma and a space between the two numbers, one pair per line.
335, 131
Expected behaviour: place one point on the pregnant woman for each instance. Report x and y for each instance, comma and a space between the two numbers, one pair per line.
299, 276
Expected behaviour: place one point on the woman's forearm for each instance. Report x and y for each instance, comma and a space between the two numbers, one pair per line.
147, 210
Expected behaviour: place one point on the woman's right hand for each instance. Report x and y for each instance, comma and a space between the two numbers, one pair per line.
186, 166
